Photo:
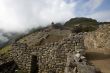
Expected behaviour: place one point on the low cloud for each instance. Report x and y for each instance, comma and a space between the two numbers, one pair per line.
3, 39
20, 15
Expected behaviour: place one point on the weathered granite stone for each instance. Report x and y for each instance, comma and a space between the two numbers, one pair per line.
51, 57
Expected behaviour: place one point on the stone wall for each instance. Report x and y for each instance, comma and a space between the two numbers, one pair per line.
50, 48
99, 40
51, 57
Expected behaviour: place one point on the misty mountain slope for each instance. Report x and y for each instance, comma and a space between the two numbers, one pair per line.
55, 32
82, 24
76, 25
3, 39
52, 44
7, 37
34, 34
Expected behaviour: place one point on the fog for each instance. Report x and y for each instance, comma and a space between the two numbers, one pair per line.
21, 15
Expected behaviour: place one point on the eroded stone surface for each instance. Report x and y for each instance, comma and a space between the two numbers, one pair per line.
51, 57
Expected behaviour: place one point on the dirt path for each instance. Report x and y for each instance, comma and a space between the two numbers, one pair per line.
99, 59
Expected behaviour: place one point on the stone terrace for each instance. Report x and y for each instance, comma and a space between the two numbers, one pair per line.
51, 56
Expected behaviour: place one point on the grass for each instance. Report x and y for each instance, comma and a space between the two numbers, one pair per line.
5, 50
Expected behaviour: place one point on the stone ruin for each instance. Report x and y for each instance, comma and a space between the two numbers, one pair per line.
55, 57
7, 65
67, 55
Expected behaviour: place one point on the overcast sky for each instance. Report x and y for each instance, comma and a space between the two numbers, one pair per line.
20, 15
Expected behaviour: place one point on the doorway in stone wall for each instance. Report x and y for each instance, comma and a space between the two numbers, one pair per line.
34, 64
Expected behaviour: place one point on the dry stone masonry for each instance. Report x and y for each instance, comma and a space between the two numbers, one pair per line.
66, 55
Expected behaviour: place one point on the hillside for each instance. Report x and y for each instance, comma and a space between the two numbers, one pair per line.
7, 38
58, 48
82, 24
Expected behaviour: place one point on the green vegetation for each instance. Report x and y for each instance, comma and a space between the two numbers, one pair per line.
82, 24
5, 50
58, 26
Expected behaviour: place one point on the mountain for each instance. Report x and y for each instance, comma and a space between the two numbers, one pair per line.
7, 37
60, 48
82, 24
77, 24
